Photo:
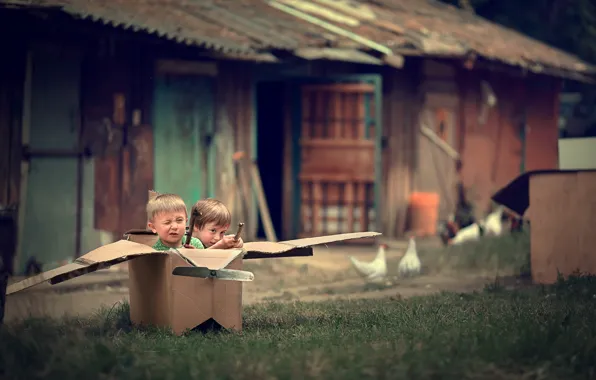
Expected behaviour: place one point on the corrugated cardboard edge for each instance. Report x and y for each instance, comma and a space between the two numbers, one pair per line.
318, 240
516, 194
117, 252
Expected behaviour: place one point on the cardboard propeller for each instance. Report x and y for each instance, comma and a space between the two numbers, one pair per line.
180, 288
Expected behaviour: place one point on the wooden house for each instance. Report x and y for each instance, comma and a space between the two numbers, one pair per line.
347, 107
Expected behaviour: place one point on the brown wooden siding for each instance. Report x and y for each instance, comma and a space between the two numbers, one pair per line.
234, 122
542, 135
492, 153
112, 91
438, 111
400, 110
12, 71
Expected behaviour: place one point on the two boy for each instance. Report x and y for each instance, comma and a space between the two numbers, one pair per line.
167, 216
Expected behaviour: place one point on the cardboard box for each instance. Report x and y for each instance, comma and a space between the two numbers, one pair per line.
162, 298
561, 208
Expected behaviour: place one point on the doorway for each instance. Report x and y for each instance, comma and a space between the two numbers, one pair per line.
270, 148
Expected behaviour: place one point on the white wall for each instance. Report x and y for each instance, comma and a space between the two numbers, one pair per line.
577, 153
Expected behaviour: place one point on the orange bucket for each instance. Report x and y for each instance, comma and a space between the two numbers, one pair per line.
424, 213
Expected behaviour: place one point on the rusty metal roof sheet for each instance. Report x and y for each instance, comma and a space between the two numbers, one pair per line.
445, 30
408, 27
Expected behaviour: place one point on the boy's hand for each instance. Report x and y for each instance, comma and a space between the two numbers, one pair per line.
239, 242
190, 246
228, 242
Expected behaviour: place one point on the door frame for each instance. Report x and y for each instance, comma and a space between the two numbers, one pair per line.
296, 115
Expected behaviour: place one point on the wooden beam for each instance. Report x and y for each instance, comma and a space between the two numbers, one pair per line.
183, 67
432, 136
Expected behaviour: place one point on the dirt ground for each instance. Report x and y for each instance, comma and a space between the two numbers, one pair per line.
325, 276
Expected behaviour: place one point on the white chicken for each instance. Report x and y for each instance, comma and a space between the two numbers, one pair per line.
469, 233
374, 271
409, 265
493, 223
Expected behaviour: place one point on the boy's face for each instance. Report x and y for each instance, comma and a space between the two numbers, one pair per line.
210, 234
170, 227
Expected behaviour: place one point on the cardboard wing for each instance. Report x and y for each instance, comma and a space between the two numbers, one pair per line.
118, 252
100, 258
138, 243
298, 247
267, 249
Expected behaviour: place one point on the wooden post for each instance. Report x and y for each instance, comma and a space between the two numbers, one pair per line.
8, 244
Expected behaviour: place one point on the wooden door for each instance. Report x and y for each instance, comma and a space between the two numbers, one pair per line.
183, 131
338, 163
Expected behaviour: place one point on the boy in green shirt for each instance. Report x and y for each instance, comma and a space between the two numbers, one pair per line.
167, 217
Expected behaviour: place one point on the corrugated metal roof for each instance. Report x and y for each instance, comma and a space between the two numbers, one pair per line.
416, 27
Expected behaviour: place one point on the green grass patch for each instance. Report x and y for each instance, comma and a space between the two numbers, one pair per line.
543, 332
508, 254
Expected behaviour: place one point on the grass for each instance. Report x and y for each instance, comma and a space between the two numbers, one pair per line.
508, 254
538, 333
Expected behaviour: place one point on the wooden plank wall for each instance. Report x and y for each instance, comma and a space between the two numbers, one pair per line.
542, 135
12, 73
233, 129
400, 107
103, 78
435, 169
492, 153
115, 88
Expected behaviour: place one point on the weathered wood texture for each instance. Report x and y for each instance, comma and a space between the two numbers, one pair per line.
438, 112
337, 153
565, 243
12, 72
234, 133
114, 89
520, 131
400, 110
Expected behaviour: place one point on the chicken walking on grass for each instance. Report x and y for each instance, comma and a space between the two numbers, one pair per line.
494, 222
471, 233
492, 225
409, 264
374, 271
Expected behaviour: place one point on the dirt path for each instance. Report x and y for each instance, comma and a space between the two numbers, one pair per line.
325, 276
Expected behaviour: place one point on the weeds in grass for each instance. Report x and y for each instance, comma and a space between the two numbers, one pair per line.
508, 254
538, 333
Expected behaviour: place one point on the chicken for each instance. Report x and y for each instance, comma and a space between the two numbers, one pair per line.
409, 264
376, 270
494, 222
448, 231
472, 232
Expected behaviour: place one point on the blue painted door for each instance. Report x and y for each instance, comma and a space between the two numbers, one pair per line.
49, 229
183, 132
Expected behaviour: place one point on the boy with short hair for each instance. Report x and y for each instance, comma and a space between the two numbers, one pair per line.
210, 220
167, 216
